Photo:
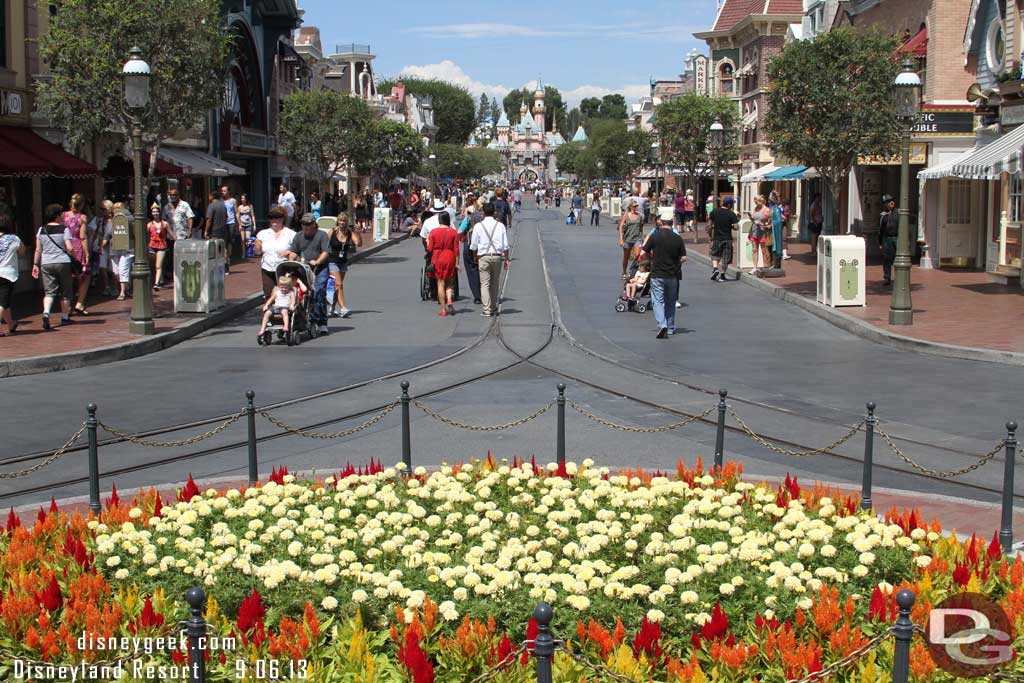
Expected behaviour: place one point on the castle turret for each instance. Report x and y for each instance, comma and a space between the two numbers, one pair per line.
538, 106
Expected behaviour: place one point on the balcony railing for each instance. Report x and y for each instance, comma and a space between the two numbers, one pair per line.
352, 48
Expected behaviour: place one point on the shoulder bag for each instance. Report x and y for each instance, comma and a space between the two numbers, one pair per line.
76, 265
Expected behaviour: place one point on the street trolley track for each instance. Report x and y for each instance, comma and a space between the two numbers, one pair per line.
129, 469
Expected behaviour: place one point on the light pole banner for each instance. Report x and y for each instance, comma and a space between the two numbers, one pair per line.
381, 224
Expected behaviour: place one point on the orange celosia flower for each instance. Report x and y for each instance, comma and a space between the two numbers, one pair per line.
620, 631
921, 663
734, 657
826, 610
846, 640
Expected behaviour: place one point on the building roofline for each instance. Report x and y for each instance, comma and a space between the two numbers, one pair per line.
747, 21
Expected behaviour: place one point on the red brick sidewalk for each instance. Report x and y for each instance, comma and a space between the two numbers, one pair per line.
107, 322
950, 307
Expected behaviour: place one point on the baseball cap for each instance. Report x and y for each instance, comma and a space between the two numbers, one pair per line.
308, 219
886, 198
728, 201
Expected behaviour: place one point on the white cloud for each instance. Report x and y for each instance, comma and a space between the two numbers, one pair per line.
448, 70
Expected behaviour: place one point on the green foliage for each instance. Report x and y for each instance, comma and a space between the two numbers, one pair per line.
184, 42
456, 161
683, 124
483, 110
608, 107
454, 108
831, 100
554, 107
482, 162
392, 150
326, 130
606, 154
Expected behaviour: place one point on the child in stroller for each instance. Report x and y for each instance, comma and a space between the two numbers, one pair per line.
571, 218
281, 303
638, 287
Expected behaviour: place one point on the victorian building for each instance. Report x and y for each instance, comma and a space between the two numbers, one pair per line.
529, 149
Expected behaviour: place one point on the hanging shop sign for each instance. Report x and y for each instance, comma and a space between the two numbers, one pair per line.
944, 123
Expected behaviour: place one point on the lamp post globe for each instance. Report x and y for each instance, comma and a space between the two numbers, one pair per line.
135, 76
716, 142
907, 95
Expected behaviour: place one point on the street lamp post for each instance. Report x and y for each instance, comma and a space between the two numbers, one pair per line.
659, 179
716, 142
600, 172
135, 75
632, 160
433, 173
907, 93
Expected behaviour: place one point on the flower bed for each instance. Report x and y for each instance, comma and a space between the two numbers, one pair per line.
433, 576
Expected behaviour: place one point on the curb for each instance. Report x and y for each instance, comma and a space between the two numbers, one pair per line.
36, 365
866, 330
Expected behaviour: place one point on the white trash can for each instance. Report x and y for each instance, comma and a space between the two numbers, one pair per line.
198, 275
842, 261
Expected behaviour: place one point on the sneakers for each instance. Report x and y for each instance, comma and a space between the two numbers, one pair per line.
344, 313
324, 329
46, 321
335, 311
722, 277
678, 305
715, 275
662, 333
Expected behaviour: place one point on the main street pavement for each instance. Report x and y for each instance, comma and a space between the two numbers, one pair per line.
790, 375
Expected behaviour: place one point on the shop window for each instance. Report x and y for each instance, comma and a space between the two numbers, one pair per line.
1016, 211
958, 202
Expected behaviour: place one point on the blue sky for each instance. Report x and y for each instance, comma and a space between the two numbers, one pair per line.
583, 48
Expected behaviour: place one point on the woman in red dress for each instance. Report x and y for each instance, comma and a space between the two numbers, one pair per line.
443, 245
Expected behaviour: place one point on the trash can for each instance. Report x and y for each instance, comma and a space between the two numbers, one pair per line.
743, 249
198, 275
841, 270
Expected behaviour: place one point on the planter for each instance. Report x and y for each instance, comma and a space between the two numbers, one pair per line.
1009, 89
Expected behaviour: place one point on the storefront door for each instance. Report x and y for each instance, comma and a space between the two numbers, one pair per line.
958, 208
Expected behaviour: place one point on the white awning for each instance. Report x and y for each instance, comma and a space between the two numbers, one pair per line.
985, 161
195, 162
744, 71
758, 175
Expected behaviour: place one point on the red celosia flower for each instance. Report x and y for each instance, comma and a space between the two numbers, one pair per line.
13, 521
878, 610
718, 625
114, 499
158, 506
53, 505
961, 574
995, 550
51, 598
251, 613
147, 619
190, 491
531, 635
414, 659
648, 641
504, 649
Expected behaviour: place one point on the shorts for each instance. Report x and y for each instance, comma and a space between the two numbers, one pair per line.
687, 215
815, 228
221, 234
153, 250
6, 287
122, 265
279, 310
57, 279
337, 267
628, 245
722, 251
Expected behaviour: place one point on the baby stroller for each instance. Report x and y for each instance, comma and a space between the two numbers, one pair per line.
571, 218
637, 304
301, 318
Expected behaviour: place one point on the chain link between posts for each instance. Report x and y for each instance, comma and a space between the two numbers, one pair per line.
57, 454
483, 428
796, 454
640, 430
333, 435
983, 460
140, 441
503, 664
847, 660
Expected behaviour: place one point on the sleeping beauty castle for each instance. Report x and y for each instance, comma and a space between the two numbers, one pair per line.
528, 148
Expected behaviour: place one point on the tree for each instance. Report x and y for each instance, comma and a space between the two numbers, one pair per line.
683, 123
483, 111
574, 119
513, 102
613, 107
454, 108
88, 42
392, 150
572, 159
326, 131
590, 107
830, 101
481, 162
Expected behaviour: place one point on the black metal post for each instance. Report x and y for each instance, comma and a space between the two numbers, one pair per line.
869, 456
94, 459
250, 415
544, 645
560, 439
406, 435
720, 436
196, 631
1006, 527
904, 634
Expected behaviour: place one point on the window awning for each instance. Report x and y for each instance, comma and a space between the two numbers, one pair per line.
787, 173
196, 162
119, 167
917, 45
24, 153
985, 161
758, 175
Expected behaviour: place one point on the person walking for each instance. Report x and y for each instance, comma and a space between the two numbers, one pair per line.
343, 243
503, 210
52, 261
473, 214
231, 206
103, 229
11, 248
490, 247
272, 246
216, 227
159, 235
315, 205
443, 246
815, 221
77, 224
179, 215
888, 233
762, 225
668, 253
631, 230
286, 200
245, 221
724, 223
313, 247
595, 210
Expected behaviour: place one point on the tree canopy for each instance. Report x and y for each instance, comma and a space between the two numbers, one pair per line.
88, 42
554, 107
392, 150
325, 131
606, 153
454, 108
683, 124
831, 100
610, 106
456, 161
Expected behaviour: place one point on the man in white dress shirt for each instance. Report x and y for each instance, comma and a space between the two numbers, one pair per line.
489, 243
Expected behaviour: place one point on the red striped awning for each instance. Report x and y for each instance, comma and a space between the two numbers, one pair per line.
917, 45
24, 153
119, 167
